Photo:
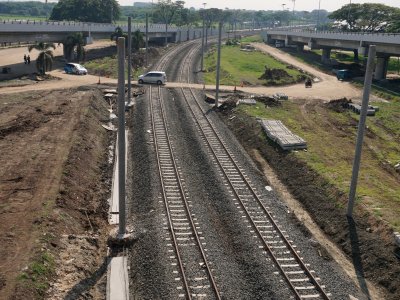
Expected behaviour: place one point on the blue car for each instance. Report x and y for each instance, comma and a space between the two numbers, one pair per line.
73, 68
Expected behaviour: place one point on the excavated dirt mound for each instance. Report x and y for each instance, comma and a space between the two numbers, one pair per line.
274, 74
367, 242
54, 189
338, 105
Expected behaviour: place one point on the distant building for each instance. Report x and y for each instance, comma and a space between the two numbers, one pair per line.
142, 4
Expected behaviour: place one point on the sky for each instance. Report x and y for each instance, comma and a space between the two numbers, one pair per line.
309, 5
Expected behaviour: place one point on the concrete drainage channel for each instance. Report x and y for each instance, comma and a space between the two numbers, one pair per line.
117, 271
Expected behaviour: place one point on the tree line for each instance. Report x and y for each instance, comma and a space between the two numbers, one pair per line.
369, 17
28, 8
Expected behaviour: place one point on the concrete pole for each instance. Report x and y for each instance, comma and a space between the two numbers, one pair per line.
218, 62
121, 133
361, 126
147, 39
202, 48
129, 60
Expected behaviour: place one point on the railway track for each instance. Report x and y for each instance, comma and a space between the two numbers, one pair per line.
274, 242
194, 268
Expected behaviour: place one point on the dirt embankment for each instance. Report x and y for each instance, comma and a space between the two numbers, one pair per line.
367, 242
54, 187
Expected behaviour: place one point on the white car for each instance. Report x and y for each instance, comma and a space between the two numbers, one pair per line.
153, 77
73, 68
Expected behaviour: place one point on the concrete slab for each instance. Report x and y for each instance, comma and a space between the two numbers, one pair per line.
117, 279
280, 134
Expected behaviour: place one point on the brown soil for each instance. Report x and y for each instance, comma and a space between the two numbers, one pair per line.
366, 242
53, 194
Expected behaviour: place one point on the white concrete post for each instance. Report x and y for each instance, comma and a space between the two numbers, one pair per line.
121, 134
361, 127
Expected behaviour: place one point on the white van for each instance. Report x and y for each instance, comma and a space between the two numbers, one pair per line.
153, 77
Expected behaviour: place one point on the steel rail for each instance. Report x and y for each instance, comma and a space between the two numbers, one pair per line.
184, 198
185, 283
288, 244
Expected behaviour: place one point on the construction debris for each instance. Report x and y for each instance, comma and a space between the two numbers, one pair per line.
281, 135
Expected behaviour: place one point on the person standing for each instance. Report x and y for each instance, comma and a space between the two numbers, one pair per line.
25, 59
28, 59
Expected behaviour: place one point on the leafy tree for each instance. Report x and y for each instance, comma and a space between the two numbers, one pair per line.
26, 8
166, 10
137, 40
366, 17
74, 42
118, 32
188, 18
102, 11
44, 61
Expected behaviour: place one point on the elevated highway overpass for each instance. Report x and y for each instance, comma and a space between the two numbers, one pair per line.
26, 31
387, 45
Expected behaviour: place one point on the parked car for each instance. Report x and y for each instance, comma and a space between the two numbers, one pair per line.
73, 68
153, 77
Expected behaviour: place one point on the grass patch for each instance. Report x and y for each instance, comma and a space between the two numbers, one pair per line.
36, 278
239, 66
6, 17
331, 142
252, 39
108, 66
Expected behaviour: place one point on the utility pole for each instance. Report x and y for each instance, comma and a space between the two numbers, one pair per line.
294, 4
121, 134
348, 15
147, 39
202, 42
319, 8
361, 127
218, 62
129, 60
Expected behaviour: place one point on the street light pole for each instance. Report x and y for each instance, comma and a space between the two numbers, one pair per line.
202, 42
294, 4
218, 63
319, 8
361, 127
348, 15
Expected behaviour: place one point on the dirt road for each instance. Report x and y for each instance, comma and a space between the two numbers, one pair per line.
327, 89
14, 58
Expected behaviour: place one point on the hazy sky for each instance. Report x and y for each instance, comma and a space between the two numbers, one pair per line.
329, 5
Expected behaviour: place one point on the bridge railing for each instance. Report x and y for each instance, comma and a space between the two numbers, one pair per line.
334, 32
14, 24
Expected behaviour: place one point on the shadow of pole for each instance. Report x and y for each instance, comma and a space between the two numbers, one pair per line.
356, 256
86, 284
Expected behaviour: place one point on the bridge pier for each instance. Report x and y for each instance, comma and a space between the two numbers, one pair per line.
326, 55
300, 47
381, 67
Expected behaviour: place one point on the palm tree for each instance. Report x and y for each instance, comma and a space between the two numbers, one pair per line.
72, 42
137, 40
44, 61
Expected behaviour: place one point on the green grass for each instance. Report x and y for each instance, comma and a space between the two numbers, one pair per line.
21, 17
38, 274
108, 66
239, 66
252, 39
331, 141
